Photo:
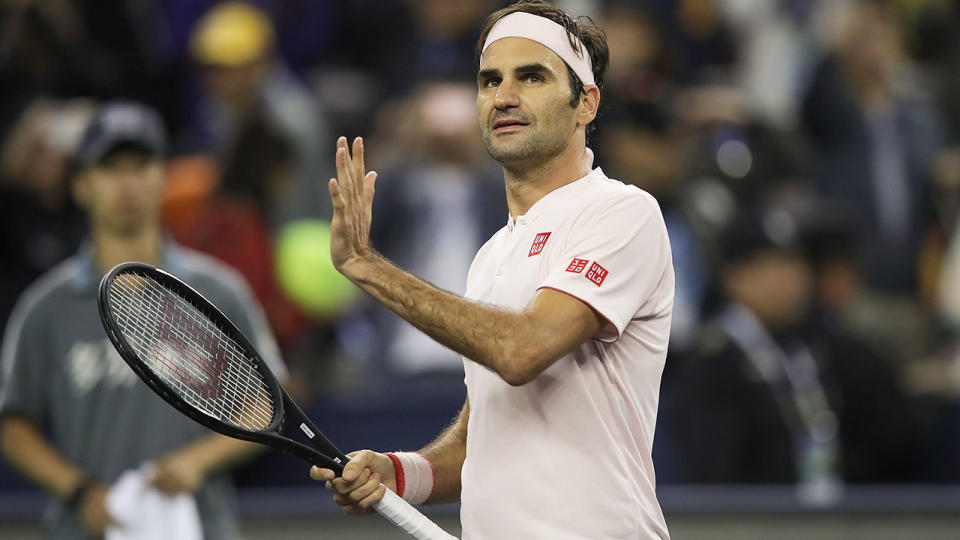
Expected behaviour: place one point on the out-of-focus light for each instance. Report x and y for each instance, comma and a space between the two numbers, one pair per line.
734, 159
713, 201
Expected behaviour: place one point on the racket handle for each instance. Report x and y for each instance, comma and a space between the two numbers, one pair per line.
403, 515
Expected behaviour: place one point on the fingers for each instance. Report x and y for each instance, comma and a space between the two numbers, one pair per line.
369, 183
352, 177
349, 494
344, 174
358, 165
321, 475
364, 505
359, 461
357, 496
335, 197
358, 488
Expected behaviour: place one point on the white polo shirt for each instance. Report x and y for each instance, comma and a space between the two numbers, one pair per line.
568, 456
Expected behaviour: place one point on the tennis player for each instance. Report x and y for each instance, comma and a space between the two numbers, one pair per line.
73, 416
565, 321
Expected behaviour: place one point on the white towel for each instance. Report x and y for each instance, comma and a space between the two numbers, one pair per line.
142, 512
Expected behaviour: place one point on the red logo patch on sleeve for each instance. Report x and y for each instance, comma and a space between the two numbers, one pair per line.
577, 265
538, 242
597, 274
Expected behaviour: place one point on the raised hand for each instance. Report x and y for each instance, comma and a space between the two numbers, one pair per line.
352, 195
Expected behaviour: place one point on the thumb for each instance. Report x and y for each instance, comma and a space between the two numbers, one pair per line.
359, 460
321, 474
334, 187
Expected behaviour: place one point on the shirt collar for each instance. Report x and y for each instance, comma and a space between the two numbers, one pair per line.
173, 260
557, 196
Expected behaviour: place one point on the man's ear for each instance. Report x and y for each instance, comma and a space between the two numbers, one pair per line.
589, 103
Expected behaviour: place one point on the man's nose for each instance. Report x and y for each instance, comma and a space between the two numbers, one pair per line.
131, 179
506, 96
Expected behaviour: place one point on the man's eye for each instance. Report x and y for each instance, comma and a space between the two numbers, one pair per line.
534, 78
491, 82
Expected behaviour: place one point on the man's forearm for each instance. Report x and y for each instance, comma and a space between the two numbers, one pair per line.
29, 452
497, 338
446, 454
216, 452
186, 468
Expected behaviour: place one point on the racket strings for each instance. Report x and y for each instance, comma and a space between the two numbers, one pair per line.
190, 353
204, 376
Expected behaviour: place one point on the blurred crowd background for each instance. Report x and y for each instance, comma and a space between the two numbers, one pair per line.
805, 153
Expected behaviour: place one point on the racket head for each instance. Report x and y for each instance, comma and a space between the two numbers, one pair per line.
188, 352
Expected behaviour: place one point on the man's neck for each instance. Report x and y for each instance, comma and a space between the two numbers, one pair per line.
526, 186
110, 249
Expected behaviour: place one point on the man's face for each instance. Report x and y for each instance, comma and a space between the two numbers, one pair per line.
237, 86
523, 102
122, 192
776, 285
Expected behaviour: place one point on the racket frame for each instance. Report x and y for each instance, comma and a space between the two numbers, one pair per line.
285, 409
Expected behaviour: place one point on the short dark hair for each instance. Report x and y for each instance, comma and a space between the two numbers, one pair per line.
582, 29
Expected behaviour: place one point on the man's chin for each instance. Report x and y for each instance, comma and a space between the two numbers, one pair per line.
506, 154
126, 227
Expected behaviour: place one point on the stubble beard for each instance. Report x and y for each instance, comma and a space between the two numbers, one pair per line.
523, 151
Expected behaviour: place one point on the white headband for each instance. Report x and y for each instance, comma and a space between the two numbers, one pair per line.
547, 33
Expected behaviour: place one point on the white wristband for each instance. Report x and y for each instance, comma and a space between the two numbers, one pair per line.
415, 476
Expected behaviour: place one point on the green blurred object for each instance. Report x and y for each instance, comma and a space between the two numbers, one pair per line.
305, 270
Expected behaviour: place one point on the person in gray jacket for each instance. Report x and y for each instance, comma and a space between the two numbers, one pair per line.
73, 416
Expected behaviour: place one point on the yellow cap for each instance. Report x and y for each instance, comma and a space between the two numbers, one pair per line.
231, 34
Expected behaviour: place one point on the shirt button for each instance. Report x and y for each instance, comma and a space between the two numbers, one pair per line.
499, 271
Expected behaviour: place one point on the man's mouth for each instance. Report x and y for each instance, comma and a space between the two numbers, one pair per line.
508, 124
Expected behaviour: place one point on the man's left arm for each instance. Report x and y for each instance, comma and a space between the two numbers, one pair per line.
185, 469
517, 345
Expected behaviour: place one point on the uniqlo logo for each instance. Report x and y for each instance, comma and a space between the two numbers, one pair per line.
538, 242
597, 274
577, 265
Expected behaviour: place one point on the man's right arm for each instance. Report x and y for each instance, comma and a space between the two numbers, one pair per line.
359, 487
28, 450
446, 454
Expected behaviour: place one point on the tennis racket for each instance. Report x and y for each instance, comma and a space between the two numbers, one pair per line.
196, 359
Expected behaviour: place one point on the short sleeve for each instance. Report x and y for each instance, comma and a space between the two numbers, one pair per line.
24, 371
614, 259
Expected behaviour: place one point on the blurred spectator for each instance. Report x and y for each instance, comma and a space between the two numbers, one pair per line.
778, 394
103, 49
643, 65
876, 136
247, 84
936, 41
237, 205
640, 143
950, 282
434, 211
39, 223
419, 40
773, 39
736, 151
701, 36
62, 376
